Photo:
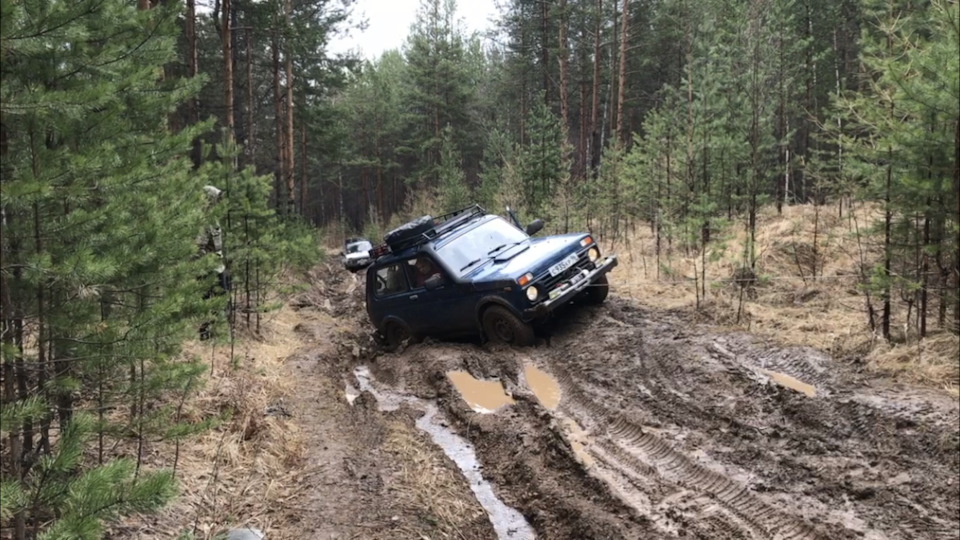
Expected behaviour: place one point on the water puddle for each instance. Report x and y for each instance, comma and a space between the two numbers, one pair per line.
543, 385
789, 382
507, 522
481, 396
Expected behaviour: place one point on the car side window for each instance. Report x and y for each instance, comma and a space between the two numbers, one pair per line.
420, 269
391, 280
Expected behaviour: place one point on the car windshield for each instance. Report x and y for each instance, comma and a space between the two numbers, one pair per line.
476, 245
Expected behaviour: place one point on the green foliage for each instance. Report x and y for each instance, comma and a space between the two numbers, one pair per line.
101, 209
259, 245
454, 191
899, 136
542, 163
438, 93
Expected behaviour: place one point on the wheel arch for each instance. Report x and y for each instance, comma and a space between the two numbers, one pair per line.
488, 301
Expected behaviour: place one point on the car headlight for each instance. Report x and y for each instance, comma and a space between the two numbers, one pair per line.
594, 254
532, 293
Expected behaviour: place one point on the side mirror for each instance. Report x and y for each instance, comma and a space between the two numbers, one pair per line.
534, 227
433, 282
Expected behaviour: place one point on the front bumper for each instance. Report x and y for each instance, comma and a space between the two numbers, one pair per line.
605, 265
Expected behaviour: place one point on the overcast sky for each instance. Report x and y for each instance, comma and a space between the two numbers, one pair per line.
389, 23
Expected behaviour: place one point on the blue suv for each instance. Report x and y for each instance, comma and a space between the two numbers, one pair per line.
469, 273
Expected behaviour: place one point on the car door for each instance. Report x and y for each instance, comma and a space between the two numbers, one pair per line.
392, 296
441, 311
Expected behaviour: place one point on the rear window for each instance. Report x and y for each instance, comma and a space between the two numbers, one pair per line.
358, 247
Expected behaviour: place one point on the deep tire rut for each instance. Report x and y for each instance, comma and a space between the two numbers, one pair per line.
643, 453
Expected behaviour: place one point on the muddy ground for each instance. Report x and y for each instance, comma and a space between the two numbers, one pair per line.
665, 428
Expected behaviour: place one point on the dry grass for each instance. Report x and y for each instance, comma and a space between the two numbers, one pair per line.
787, 303
429, 488
923, 361
241, 472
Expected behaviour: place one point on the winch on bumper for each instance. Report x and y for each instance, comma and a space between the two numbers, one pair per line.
570, 288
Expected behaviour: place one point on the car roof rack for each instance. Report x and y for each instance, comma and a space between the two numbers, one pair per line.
450, 221
434, 228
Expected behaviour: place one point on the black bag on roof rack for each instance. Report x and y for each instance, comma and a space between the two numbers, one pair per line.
409, 234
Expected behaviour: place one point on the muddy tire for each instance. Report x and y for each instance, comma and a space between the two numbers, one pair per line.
502, 326
394, 336
408, 234
597, 291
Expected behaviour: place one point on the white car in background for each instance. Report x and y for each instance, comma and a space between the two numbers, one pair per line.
356, 254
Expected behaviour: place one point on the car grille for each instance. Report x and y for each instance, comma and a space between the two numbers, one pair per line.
549, 282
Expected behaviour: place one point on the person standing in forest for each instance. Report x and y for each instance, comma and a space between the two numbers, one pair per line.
210, 241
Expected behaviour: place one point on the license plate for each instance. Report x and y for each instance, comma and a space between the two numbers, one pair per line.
578, 278
561, 266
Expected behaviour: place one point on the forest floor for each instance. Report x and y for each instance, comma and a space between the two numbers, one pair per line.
629, 420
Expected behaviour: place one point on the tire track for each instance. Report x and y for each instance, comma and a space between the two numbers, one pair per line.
646, 454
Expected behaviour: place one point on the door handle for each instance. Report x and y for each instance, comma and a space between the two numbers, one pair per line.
414, 297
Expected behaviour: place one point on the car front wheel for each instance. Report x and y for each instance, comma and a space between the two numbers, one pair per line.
502, 326
597, 291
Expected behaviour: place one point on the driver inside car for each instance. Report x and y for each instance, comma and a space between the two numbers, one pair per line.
424, 270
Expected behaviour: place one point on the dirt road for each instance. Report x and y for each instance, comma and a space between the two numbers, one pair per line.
622, 423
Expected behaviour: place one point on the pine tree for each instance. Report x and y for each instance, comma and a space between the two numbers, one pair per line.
454, 191
901, 135
100, 212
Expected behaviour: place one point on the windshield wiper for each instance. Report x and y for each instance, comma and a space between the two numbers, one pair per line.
471, 263
501, 246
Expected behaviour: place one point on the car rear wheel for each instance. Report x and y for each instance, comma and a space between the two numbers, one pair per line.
502, 326
395, 335
597, 291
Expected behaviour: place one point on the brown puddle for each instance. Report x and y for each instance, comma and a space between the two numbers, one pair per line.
791, 383
481, 396
543, 385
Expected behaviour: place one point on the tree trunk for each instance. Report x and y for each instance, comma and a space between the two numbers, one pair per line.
280, 160
193, 111
249, 145
304, 184
545, 49
924, 268
11, 334
227, 42
956, 245
621, 127
288, 58
595, 106
564, 61
781, 135
240, 121
887, 219
582, 139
